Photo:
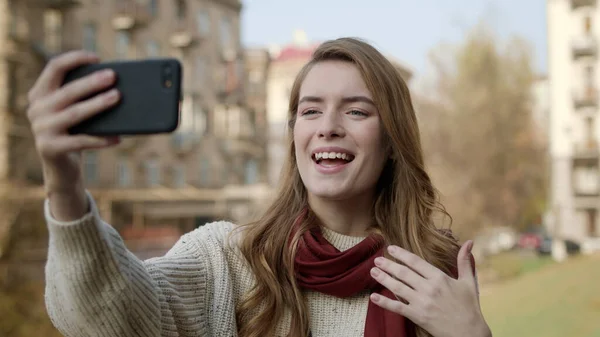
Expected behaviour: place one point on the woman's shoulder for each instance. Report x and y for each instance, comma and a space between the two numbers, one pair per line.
217, 233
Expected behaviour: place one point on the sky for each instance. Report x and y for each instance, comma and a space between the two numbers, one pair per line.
405, 29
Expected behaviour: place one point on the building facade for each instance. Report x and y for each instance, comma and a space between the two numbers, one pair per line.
210, 168
574, 131
287, 60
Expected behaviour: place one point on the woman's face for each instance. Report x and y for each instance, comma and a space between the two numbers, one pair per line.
337, 135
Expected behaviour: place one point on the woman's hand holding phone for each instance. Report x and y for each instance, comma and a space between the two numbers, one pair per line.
53, 109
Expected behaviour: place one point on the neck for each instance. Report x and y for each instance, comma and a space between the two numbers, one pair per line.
348, 217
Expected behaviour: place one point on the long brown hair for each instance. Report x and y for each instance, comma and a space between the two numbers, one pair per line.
403, 211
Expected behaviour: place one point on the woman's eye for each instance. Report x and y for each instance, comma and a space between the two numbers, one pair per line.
357, 113
309, 112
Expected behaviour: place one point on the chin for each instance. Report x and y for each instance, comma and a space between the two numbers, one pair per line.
336, 192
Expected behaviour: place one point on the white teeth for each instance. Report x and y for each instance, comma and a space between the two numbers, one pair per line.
332, 155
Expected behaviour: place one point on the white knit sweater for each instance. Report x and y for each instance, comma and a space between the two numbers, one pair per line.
96, 287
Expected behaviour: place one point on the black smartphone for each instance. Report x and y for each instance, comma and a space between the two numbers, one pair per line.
150, 98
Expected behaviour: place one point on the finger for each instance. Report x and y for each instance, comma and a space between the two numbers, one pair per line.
82, 111
464, 261
397, 287
400, 272
53, 74
414, 262
68, 143
82, 88
59, 123
392, 305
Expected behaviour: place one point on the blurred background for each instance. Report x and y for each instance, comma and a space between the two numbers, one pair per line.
506, 93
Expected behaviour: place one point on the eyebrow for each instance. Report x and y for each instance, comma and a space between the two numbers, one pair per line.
345, 100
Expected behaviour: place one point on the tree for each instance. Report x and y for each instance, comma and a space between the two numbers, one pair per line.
479, 136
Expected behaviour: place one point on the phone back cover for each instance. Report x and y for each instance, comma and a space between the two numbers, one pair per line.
147, 106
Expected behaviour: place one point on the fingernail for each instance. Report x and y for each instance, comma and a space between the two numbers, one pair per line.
470, 246
106, 74
374, 271
393, 249
375, 297
112, 93
378, 261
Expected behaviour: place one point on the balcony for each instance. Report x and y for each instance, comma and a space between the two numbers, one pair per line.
586, 153
586, 181
586, 98
184, 35
582, 3
233, 4
129, 14
58, 4
584, 46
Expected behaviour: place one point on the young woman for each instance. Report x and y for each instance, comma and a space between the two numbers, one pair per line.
347, 248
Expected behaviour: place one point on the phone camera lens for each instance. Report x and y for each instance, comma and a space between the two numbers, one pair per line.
167, 79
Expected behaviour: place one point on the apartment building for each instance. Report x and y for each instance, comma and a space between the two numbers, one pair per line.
574, 131
210, 168
286, 62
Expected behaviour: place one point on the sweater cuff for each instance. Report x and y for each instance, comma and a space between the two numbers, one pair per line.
68, 238
92, 212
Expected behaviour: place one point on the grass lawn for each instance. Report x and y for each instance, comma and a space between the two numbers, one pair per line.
550, 300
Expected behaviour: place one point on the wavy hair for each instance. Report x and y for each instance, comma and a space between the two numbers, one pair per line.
403, 210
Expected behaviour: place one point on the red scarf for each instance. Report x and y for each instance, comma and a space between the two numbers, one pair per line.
322, 267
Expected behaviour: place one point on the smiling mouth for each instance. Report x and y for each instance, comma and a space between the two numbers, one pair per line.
332, 158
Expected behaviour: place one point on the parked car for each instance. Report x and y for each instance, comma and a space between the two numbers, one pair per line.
530, 241
545, 248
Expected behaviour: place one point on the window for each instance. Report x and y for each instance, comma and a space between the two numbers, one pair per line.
588, 24
179, 176
187, 113
193, 115
53, 27
122, 45
220, 120
589, 74
200, 70
152, 49
199, 118
234, 121
90, 167
225, 31
203, 22
589, 79
13, 88
589, 132
591, 222
152, 172
225, 173
123, 172
180, 9
14, 19
586, 180
204, 171
153, 7
251, 174
89, 37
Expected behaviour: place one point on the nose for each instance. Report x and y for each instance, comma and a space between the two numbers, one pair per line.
331, 126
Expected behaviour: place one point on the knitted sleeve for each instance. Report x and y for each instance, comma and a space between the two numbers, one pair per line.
96, 287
